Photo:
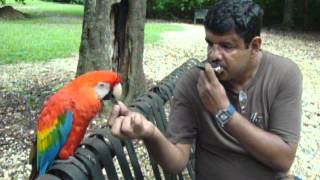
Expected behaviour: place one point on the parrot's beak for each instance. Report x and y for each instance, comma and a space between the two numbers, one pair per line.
115, 94
117, 91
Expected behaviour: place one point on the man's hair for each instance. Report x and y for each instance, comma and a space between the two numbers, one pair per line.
242, 16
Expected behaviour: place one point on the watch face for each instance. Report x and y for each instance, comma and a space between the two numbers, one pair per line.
222, 116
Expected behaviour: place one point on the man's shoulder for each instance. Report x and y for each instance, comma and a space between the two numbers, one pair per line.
189, 77
280, 64
282, 70
277, 60
186, 86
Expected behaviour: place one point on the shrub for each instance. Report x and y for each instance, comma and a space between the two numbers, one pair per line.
68, 1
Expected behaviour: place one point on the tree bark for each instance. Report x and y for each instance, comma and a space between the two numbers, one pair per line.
288, 13
113, 38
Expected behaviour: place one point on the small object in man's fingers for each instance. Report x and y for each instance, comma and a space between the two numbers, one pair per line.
216, 67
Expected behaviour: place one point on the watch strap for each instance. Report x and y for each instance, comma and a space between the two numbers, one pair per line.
225, 115
231, 109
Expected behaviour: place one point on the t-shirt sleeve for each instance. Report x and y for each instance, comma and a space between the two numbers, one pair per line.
181, 126
285, 111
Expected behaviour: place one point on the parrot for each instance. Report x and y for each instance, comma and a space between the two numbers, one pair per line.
65, 116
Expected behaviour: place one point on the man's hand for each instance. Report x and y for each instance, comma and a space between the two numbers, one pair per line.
211, 91
126, 124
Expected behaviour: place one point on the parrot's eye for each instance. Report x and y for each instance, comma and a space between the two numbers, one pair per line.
101, 85
102, 89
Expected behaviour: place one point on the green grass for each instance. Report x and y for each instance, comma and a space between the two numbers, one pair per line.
152, 31
52, 30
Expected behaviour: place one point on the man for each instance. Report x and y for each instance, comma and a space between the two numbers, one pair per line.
244, 119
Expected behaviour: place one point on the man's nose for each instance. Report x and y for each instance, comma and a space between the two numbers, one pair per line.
214, 52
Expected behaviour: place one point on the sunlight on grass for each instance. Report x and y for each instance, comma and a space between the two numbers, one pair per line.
53, 30
44, 8
153, 31
37, 42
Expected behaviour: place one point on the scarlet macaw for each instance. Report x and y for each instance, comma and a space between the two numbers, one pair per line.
64, 118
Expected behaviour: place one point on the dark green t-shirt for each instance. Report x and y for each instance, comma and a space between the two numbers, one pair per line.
274, 104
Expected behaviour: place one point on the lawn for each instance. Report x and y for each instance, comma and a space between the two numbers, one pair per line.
52, 30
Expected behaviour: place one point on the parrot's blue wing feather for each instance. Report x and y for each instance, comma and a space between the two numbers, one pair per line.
50, 140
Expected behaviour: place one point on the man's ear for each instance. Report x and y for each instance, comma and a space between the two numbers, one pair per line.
255, 44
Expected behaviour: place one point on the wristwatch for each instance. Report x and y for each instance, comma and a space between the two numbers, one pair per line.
224, 116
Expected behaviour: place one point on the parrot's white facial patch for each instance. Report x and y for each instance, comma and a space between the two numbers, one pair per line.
102, 89
117, 91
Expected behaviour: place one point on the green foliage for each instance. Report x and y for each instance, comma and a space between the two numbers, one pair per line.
3, 2
273, 11
306, 12
78, 1
168, 9
68, 1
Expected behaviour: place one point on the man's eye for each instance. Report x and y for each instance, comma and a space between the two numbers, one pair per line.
227, 46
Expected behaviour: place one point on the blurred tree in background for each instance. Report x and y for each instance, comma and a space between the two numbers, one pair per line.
2, 2
300, 14
287, 20
68, 1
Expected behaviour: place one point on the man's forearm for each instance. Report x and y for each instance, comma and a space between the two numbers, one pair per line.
268, 148
172, 157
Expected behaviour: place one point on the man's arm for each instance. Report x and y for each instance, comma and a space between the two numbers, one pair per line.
268, 148
132, 125
172, 157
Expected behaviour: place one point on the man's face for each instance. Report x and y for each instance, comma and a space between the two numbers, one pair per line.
229, 51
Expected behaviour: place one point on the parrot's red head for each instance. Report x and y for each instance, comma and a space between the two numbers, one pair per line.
106, 84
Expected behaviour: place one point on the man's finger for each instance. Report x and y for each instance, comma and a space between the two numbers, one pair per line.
116, 128
210, 74
137, 123
126, 128
123, 109
114, 114
202, 79
203, 83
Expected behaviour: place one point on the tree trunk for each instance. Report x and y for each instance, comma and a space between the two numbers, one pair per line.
288, 13
113, 38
